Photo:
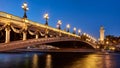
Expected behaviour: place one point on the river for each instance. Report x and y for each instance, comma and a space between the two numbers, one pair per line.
59, 60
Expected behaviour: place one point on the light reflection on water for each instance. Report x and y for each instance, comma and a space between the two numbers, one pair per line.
93, 61
48, 61
59, 60
35, 61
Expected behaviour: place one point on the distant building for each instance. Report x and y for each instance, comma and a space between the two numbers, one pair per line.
102, 35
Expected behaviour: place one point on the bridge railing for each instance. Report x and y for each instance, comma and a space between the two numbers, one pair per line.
6, 15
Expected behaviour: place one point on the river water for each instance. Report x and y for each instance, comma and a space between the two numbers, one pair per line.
59, 60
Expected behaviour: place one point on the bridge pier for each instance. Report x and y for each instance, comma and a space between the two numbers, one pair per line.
7, 38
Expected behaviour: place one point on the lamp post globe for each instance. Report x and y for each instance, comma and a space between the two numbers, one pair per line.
79, 31
74, 30
59, 24
68, 27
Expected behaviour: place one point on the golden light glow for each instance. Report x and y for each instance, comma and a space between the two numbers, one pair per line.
68, 26
107, 42
87, 35
98, 46
35, 61
46, 16
84, 33
79, 30
86, 62
9, 16
48, 61
112, 48
26, 20
74, 28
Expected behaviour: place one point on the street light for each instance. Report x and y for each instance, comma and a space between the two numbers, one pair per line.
25, 8
59, 24
46, 17
74, 30
79, 31
68, 27
84, 34
107, 44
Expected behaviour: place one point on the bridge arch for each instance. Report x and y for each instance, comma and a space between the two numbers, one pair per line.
72, 43
33, 42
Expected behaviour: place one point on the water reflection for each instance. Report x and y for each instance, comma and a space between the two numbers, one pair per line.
90, 61
26, 61
59, 60
109, 61
35, 61
48, 61
94, 61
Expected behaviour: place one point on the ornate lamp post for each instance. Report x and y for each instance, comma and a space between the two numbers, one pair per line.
79, 31
74, 30
59, 24
46, 17
68, 27
25, 8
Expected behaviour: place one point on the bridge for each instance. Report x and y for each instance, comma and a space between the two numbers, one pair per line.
16, 32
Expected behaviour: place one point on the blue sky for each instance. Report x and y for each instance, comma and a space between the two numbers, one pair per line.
87, 15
